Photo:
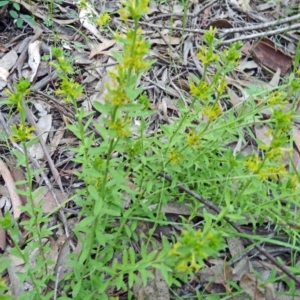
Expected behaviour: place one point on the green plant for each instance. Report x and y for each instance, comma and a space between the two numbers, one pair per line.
15, 13
126, 160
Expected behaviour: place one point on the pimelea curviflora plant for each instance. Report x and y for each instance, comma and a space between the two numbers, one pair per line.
116, 247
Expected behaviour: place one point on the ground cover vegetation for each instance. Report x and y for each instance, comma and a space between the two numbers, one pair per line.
168, 169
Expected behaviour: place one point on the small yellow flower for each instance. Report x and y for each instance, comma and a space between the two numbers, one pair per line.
253, 162
103, 19
276, 172
193, 138
212, 111
221, 86
175, 157
120, 127
207, 55
201, 90
21, 132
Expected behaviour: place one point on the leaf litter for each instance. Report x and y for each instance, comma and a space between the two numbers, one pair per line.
256, 25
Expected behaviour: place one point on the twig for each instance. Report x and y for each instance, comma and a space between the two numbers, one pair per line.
216, 209
259, 26
192, 15
260, 34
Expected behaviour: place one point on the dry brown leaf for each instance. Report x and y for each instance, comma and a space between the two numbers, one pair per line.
265, 53
220, 23
48, 203
250, 284
3, 48
243, 266
98, 48
218, 273
14, 197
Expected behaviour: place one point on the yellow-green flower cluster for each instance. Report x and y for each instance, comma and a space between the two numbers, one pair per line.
134, 56
212, 111
117, 95
201, 90
253, 162
193, 247
21, 133
103, 19
277, 98
221, 85
63, 65
193, 138
134, 9
175, 157
82, 4
121, 128
207, 55
17, 97
231, 56
69, 89
273, 172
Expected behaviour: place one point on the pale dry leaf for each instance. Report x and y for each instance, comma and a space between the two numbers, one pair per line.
18, 175
5, 204
187, 47
10, 184
56, 139
238, 147
247, 64
34, 58
263, 134
243, 4
236, 248
16, 265
251, 285
270, 292
44, 125
48, 203
218, 273
87, 24
61, 266
3, 74
99, 48
2, 84
169, 40
8, 60
2, 236
81, 58
275, 79
155, 289
41, 107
